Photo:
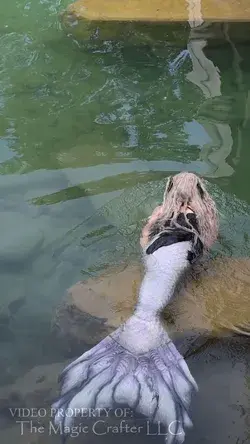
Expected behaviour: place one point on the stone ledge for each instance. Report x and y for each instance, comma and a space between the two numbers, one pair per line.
162, 10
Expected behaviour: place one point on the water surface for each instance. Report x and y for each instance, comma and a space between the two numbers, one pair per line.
82, 126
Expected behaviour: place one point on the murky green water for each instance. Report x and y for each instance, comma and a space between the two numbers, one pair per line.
79, 125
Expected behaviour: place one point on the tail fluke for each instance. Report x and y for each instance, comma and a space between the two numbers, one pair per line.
156, 384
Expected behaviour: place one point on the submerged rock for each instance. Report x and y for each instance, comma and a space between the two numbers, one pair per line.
205, 310
20, 238
29, 400
214, 299
94, 308
36, 389
13, 435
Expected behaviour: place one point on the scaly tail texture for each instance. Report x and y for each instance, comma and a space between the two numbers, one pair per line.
138, 365
157, 384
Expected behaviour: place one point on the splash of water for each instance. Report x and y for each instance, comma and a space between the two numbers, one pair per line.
178, 61
174, 66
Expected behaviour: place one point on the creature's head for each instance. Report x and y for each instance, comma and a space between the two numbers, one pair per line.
185, 191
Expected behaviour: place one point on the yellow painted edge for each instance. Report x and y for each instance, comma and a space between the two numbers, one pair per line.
82, 12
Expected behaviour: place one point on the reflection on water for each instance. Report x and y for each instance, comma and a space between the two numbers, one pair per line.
88, 135
217, 111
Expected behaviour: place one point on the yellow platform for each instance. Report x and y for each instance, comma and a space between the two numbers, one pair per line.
143, 22
162, 10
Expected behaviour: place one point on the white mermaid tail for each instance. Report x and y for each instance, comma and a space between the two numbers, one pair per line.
138, 365
156, 384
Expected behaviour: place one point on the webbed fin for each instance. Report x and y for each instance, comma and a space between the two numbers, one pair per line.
156, 384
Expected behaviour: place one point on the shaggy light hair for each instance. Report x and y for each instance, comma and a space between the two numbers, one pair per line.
185, 190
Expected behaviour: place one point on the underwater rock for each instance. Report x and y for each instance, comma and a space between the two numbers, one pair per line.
13, 291
36, 389
13, 435
15, 305
94, 308
220, 411
91, 309
6, 334
214, 299
20, 238
32, 185
212, 302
